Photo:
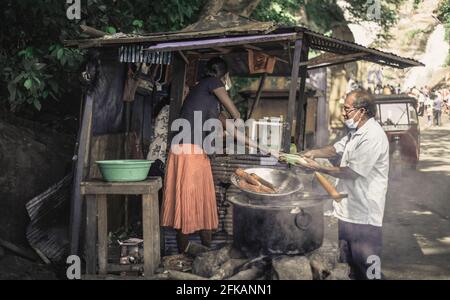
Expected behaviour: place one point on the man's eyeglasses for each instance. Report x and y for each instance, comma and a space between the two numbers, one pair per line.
349, 109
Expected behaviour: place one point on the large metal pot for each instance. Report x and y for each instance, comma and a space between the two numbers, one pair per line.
291, 227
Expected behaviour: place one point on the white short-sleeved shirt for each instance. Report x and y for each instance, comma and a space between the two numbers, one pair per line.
366, 152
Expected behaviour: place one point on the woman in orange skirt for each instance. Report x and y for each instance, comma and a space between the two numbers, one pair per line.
189, 204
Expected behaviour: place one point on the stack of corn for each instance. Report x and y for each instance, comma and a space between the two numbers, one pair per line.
293, 159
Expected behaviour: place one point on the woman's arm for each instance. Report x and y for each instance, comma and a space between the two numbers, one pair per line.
226, 101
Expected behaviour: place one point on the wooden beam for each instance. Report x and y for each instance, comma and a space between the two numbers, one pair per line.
251, 47
193, 53
92, 32
332, 64
217, 42
292, 96
258, 95
121, 188
222, 50
317, 62
179, 69
186, 60
18, 250
302, 98
84, 142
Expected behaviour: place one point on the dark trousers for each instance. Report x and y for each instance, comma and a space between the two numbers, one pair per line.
437, 117
359, 245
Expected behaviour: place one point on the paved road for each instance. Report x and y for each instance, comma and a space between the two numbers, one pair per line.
417, 222
416, 232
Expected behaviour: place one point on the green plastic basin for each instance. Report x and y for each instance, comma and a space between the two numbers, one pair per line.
124, 170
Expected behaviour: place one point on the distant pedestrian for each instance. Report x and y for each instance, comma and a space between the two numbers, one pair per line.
421, 99
429, 113
437, 109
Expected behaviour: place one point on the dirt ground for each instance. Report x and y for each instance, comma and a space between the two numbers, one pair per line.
416, 231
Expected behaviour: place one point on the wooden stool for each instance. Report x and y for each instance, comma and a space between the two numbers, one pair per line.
97, 223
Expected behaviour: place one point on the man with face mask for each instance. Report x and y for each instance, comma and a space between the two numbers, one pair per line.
363, 175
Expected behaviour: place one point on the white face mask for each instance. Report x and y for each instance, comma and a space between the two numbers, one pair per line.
351, 124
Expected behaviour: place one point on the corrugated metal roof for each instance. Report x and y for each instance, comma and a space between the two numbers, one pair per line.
172, 41
329, 44
134, 54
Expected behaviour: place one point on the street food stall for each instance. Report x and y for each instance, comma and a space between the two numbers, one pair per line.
127, 74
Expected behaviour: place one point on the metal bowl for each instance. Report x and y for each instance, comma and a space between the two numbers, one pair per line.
286, 182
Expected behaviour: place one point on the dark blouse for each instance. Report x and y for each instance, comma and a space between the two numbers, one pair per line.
202, 99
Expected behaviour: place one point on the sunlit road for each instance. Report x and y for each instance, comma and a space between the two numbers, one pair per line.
417, 222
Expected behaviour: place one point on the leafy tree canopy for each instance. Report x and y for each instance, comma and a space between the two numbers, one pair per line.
36, 69
34, 65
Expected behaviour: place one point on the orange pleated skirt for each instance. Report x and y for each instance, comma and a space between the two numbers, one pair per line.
189, 201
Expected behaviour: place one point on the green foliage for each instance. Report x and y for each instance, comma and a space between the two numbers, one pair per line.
35, 67
324, 14
411, 35
416, 3
388, 12
444, 16
279, 11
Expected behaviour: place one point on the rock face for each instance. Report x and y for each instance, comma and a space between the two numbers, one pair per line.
340, 272
324, 260
16, 268
207, 264
292, 268
227, 263
31, 160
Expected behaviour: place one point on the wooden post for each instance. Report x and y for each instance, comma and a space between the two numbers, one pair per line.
176, 94
258, 95
302, 99
102, 208
82, 158
292, 95
322, 108
91, 235
150, 222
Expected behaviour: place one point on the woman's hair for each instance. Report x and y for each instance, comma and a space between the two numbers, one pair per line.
216, 67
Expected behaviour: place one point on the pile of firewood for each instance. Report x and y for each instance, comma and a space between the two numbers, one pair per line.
229, 263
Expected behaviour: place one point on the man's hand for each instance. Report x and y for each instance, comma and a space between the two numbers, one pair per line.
312, 164
309, 154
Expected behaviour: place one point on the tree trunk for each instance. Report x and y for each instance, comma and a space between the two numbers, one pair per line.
239, 7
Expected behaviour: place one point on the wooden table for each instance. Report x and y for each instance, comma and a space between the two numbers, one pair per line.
97, 222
